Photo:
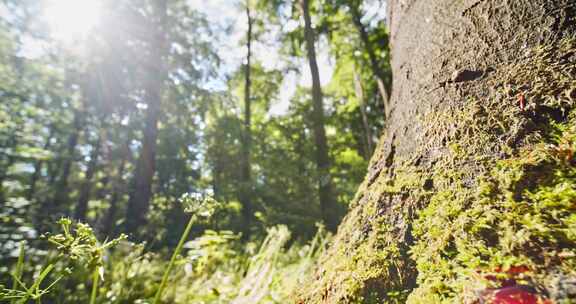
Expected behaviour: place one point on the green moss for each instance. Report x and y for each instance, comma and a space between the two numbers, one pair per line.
519, 210
521, 214
497, 190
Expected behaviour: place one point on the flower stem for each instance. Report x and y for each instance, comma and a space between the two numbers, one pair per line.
95, 278
183, 239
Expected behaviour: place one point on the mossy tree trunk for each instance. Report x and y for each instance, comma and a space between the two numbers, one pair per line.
475, 172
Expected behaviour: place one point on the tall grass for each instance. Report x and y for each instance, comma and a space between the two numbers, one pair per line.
216, 267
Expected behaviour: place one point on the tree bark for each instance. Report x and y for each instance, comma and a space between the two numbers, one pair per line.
328, 204
460, 149
141, 194
375, 65
245, 196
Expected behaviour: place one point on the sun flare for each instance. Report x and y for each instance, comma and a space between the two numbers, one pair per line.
70, 20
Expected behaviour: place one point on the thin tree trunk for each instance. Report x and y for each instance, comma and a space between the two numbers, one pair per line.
374, 62
10, 159
246, 181
38, 169
103, 191
360, 96
141, 193
328, 205
53, 167
216, 173
117, 190
299, 145
12, 142
56, 206
86, 188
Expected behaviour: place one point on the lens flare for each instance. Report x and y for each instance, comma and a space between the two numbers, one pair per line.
71, 20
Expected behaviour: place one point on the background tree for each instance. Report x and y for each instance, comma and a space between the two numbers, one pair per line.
328, 204
141, 193
246, 142
88, 124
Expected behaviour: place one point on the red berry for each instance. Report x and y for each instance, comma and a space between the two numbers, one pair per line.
514, 295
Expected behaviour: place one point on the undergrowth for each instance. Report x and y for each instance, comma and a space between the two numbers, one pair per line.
215, 267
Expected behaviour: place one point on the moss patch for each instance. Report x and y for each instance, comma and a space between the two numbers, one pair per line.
519, 208
492, 187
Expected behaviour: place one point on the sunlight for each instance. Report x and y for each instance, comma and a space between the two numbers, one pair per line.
70, 20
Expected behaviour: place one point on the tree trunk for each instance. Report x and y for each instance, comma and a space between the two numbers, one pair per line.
246, 181
328, 205
10, 160
362, 104
108, 227
86, 188
374, 62
141, 194
38, 168
216, 180
55, 208
471, 164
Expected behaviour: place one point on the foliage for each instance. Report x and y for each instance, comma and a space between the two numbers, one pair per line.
75, 117
212, 269
76, 247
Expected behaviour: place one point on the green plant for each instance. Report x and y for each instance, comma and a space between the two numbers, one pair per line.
201, 207
22, 294
77, 244
216, 267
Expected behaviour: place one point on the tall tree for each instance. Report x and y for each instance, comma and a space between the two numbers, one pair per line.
38, 167
141, 193
246, 179
375, 63
359, 91
478, 152
57, 205
86, 187
328, 204
110, 217
93, 93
